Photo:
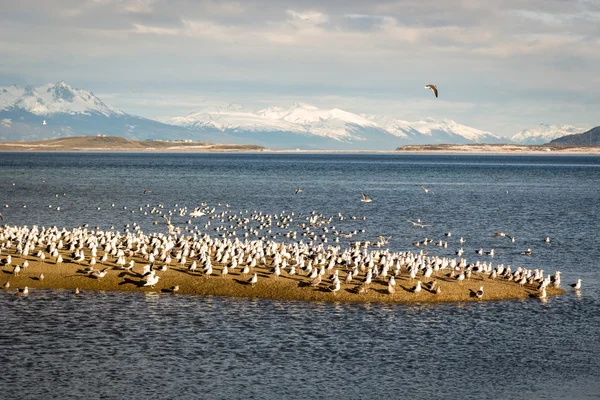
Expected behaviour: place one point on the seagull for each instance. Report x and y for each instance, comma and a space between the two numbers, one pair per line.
417, 288
417, 224
298, 190
577, 285
433, 88
547, 240
366, 199
44, 122
7, 285
526, 253
23, 291
147, 191
253, 280
152, 280
1, 217
336, 287
427, 190
502, 234
479, 293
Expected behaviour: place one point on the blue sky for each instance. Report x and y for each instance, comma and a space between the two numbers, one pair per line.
500, 66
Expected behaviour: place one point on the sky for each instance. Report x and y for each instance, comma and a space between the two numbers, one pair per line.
500, 66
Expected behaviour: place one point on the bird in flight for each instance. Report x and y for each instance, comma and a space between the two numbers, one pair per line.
418, 224
366, 199
433, 89
502, 234
427, 190
298, 190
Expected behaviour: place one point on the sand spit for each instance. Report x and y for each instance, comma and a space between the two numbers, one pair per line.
71, 274
115, 143
497, 149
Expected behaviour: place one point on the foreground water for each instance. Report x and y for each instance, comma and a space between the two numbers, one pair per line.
125, 345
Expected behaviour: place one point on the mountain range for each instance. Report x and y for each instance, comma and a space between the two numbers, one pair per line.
59, 110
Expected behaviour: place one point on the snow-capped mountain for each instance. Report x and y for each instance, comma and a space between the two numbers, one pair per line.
430, 130
59, 110
544, 133
52, 99
304, 125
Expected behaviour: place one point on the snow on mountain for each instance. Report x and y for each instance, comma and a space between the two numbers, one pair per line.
231, 117
299, 118
58, 110
58, 98
544, 133
431, 131
334, 124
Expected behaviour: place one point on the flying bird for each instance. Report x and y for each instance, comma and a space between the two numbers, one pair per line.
433, 89
427, 190
366, 199
417, 224
298, 190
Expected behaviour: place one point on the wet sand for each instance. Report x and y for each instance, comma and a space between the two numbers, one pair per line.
70, 275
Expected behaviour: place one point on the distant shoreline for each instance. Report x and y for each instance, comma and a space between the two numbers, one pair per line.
115, 144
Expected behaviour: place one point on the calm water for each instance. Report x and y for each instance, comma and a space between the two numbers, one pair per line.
127, 345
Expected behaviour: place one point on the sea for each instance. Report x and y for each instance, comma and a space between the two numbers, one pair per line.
157, 346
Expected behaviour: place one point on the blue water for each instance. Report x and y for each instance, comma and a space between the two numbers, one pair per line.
128, 345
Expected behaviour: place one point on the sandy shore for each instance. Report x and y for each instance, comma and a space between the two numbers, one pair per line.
70, 275
504, 149
119, 144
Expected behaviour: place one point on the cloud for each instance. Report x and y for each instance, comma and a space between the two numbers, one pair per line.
486, 56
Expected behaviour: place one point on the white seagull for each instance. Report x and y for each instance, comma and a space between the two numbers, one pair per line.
427, 190
366, 199
577, 285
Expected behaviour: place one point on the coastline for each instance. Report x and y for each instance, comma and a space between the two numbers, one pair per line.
106, 144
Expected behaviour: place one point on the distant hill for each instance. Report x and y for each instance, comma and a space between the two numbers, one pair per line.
589, 138
116, 143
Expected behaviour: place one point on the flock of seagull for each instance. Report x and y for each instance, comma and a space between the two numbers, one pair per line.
248, 243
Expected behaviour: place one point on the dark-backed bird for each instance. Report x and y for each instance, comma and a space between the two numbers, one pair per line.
366, 199
298, 190
433, 89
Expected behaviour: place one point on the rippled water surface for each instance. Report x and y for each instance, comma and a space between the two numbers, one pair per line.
129, 345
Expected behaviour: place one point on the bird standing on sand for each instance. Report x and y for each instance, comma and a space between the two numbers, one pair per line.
253, 280
417, 288
336, 287
479, 293
366, 199
433, 89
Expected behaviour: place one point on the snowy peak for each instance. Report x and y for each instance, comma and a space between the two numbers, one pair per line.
544, 133
299, 118
58, 98
431, 130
